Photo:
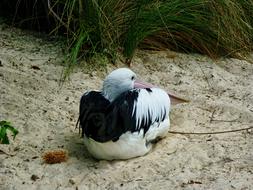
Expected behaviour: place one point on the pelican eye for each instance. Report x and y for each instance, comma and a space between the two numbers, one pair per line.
132, 78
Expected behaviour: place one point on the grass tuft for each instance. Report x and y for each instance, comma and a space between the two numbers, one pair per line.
215, 28
4, 127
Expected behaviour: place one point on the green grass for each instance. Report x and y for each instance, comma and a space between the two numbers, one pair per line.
168, 24
111, 27
215, 28
4, 127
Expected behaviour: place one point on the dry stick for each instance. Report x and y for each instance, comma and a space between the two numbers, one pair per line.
205, 77
222, 120
210, 133
56, 16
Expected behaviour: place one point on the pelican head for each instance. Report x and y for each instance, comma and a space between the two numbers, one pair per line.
117, 82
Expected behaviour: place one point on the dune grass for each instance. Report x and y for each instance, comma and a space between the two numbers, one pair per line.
215, 28
109, 27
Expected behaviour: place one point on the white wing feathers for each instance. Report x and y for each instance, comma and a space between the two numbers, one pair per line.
153, 104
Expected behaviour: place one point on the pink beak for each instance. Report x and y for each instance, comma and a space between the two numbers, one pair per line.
140, 84
174, 99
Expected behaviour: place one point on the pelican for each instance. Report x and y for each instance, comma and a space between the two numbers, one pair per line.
125, 118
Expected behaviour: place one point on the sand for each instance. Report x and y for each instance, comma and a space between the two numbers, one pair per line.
221, 98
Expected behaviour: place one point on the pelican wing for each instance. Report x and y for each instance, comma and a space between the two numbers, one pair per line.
104, 121
92, 112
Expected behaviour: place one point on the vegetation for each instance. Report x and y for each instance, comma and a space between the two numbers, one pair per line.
4, 127
212, 27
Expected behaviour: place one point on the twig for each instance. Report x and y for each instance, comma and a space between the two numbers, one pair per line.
210, 133
222, 120
205, 77
57, 17
7, 153
212, 116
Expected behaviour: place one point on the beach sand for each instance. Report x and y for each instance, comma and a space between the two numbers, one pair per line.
45, 113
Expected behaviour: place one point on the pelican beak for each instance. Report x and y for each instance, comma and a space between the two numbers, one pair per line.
140, 84
176, 99
173, 98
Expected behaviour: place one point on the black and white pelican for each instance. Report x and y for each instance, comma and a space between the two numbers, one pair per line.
124, 119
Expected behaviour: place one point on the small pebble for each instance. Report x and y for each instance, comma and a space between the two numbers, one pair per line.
34, 177
71, 181
35, 67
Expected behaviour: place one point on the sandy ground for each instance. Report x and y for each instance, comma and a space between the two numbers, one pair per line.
221, 94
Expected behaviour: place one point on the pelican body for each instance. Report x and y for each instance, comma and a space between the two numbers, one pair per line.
123, 119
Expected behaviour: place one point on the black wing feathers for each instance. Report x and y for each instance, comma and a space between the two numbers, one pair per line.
104, 121
92, 112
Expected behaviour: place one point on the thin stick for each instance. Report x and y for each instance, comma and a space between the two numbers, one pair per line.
205, 77
210, 133
57, 17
